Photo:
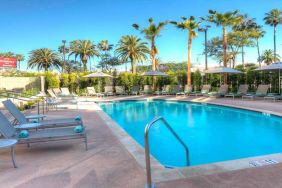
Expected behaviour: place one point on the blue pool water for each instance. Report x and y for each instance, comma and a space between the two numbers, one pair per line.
212, 133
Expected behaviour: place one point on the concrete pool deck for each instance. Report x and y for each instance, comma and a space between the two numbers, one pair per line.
108, 163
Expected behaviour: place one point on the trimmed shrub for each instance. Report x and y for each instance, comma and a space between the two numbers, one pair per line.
52, 80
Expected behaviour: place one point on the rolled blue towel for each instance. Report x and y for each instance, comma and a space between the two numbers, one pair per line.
77, 118
23, 134
35, 121
78, 129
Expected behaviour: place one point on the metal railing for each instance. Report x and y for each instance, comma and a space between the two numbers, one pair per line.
12, 95
147, 147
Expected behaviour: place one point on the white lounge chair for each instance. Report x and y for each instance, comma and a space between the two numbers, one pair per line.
92, 92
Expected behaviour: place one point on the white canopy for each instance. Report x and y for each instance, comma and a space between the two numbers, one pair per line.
154, 73
97, 75
221, 70
273, 66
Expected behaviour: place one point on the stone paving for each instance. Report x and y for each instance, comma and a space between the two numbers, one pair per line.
108, 163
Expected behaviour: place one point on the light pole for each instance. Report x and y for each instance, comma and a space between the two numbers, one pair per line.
205, 30
64, 53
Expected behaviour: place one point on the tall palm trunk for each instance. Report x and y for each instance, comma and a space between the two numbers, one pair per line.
84, 62
274, 38
225, 60
153, 47
243, 56
84, 65
234, 61
133, 65
46, 67
19, 65
258, 52
189, 59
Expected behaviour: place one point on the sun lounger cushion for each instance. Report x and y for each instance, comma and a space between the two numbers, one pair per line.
272, 95
23, 134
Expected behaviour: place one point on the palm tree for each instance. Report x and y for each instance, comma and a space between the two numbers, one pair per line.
85, 49
63, 50
191, 26
268, 57
43, 58
7, 54
257, 33
20, 58
224, 20
151, 32
273, 18
132, 48
105, 46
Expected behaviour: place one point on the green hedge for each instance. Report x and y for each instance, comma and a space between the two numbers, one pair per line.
52, 80
77, 83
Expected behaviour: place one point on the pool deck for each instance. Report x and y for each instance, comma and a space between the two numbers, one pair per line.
108, 163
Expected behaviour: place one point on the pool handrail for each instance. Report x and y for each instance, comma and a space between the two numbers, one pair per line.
147, 147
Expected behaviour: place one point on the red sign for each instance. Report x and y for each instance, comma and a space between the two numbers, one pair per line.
8, 62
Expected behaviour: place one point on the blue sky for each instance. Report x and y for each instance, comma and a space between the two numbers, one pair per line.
31, 24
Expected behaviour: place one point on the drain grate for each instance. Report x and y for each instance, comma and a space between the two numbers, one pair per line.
262, 162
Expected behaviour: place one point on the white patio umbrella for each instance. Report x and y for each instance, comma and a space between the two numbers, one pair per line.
271, 67
222, 70
98, 75
154, 73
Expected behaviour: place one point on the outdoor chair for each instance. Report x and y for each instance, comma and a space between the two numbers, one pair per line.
242, 90
147, 89
160, 91
166, 90
61, 98
261, 92
9, 143
174, 89
273, 96
57, 91
187, 90
66, 92
28, 118
92, 92
43, 135
52, 94
135, 90
120, 90
51, 103
205, 90
25, 123
108, 91
221, 91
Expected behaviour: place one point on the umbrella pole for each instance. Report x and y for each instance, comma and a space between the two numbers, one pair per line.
279, 81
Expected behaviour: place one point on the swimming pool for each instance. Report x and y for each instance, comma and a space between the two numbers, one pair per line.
212, 133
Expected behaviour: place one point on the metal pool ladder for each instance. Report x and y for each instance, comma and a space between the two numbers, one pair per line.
147, 147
